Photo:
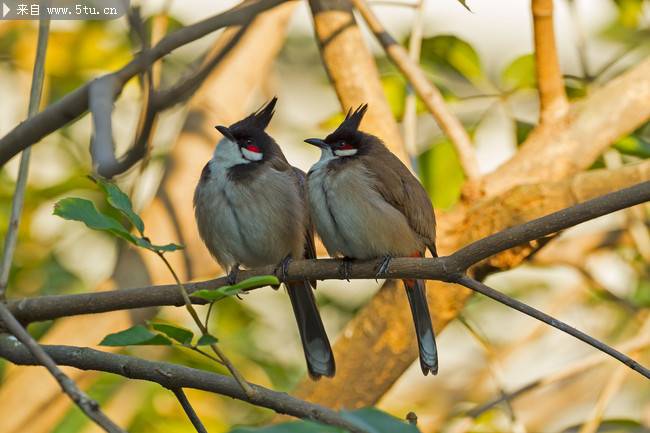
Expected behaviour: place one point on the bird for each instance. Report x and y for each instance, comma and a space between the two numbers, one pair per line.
251, 210
366, 204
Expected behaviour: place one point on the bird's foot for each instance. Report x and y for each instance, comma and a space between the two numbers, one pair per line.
282, 270
345, 269
232, 275
382, 268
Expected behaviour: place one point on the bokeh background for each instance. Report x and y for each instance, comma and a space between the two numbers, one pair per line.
595, 276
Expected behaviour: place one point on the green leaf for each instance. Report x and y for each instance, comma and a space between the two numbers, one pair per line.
259, 281
206, 340
135, 336
182, 335
520, 73
225, 291
145, 243
448, 53
441, 174
120, 201
634, 145
79, 209
291, 427
375, 421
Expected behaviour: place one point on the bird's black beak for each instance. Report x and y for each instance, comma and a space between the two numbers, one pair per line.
226, 132
317, 142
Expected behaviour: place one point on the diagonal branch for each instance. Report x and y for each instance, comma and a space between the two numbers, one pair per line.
189, 410
75, 104
174, 376
40, 357
479, 287
552, 97
430, 95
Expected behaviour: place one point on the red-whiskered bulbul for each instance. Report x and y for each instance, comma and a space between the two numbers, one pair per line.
250, 207
366, 204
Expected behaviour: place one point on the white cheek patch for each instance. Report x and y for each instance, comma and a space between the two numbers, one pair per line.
250, 155
345, 152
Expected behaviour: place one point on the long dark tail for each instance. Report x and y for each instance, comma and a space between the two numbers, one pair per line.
315, 344
415, 289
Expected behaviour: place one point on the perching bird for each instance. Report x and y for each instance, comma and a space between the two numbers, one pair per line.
366, 204
251, 210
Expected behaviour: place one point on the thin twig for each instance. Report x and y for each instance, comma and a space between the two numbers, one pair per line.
429, 93
87, 405
477, 286
552, 97
639, 342
204, 330
189, 410
410, 120
38, 77
176, 376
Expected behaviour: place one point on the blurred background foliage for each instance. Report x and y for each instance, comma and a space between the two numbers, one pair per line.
606, 291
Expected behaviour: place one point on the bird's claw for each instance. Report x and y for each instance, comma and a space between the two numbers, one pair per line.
282, 270
382, 268
345, 269
232, 275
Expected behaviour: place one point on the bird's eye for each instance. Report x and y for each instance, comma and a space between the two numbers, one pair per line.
249, 142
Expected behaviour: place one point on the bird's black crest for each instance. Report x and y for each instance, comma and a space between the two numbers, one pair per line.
350, 125
259, 119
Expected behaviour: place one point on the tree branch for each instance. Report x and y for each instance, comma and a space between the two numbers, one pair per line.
352, 70
477, 286
174, 376
76, 103
552, 97
444, 269
561, 150
40, 357
38, 76
430, 95
189, 410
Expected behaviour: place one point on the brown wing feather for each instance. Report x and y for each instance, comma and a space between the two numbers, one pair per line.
403, 191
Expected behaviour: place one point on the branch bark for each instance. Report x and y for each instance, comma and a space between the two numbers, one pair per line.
174, 376
552, 97
429, 93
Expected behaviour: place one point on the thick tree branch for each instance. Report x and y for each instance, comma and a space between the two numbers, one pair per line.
552, 97
40, 357
558, 151
444, 268
174, 376
76, 103
429, 93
